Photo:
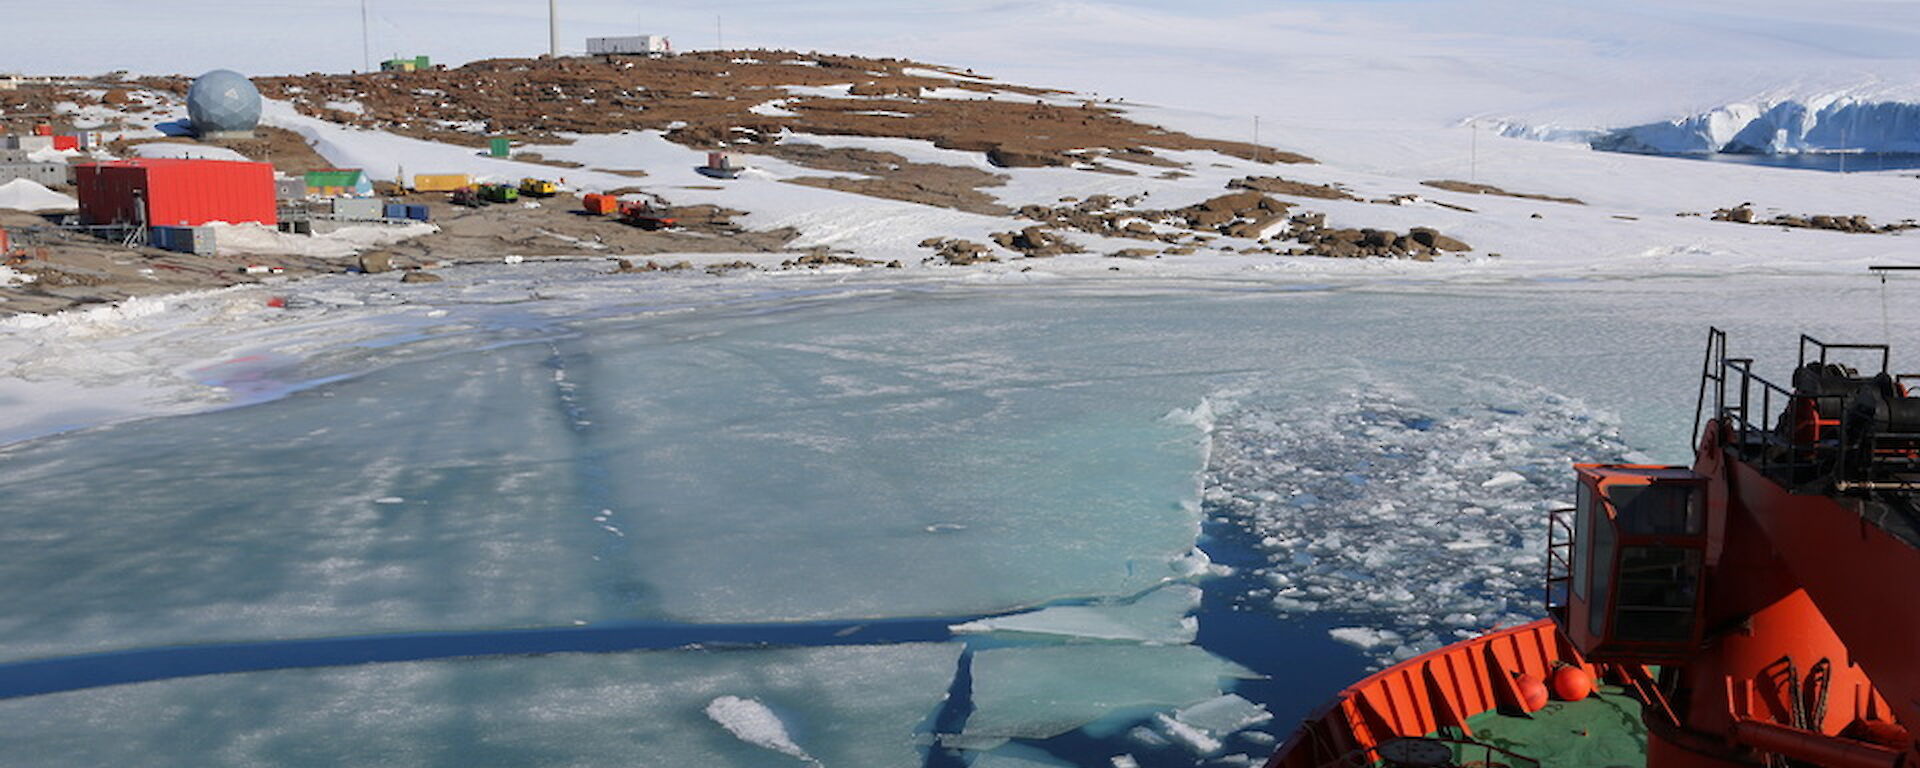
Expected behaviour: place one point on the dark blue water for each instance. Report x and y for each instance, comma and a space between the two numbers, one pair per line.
94, 670
1833, 163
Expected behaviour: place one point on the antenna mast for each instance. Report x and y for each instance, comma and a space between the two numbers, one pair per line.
366, 41
553, 28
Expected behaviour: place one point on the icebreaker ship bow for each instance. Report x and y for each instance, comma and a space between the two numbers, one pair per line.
1755, 609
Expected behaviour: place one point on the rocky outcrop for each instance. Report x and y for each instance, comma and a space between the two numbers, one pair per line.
1420, 243
1013, 157
958, 252
1471, 188
1279, 186
626, 266
1744, 214
821, 257
1034, 243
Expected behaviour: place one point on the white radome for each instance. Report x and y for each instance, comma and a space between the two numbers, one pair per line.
223, 104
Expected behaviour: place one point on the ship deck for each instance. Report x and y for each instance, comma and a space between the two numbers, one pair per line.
1601, 731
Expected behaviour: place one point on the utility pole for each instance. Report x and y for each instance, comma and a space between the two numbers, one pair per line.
1473, 151
719, 34
366, 40
1843, 150
553, 28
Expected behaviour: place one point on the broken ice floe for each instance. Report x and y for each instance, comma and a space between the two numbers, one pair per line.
1429, 522
1161, 616
1042, 692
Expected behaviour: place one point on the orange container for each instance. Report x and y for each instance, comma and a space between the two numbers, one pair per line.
601, 205
173, 192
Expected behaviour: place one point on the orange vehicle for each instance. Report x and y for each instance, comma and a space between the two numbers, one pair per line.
1753, 609
600, 205
642, 214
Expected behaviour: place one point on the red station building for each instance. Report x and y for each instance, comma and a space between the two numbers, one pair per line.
171, 192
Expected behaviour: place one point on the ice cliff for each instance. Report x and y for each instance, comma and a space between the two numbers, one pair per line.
1828, 123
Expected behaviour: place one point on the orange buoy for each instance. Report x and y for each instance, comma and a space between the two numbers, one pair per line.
1572, 683
1533, 692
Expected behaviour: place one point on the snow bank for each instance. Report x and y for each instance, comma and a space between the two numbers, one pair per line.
9, 277
340, 243
167, 149
29, 195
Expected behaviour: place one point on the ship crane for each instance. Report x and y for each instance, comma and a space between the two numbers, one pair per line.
1760, 605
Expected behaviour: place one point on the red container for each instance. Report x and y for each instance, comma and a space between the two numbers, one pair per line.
171, 192
4, 243
601, 205
66, 142
43, 129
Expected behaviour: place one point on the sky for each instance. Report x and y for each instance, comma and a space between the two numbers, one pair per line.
1583, 62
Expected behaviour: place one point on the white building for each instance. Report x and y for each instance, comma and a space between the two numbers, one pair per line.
652, 45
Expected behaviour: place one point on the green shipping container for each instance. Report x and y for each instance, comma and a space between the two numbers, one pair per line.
337, 177
500, 147
414, 64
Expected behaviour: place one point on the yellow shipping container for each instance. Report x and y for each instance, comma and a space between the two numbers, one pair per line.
441, 182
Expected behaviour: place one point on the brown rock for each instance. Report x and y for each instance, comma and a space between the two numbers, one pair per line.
1009, 157
375, 262
417, 276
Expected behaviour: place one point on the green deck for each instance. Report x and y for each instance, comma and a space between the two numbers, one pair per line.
1602, 731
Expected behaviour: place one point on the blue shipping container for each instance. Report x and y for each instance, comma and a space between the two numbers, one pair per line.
396, 211
417, 212
197, 240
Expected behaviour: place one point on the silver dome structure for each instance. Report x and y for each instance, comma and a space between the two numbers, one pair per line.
223, 104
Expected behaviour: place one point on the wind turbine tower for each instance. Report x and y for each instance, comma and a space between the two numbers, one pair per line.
553, 28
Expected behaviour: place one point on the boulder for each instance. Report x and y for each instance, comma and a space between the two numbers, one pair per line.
1235, 203
1008, 157
375, 263
417, 276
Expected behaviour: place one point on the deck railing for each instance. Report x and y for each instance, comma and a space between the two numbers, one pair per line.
1784, 434
1559, 561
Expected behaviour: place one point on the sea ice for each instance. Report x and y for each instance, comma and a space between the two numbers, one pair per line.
848, 469
848, 706
1017, 756
1162, 616
1224, 715
1379, 505
1038, 693
1188, 736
